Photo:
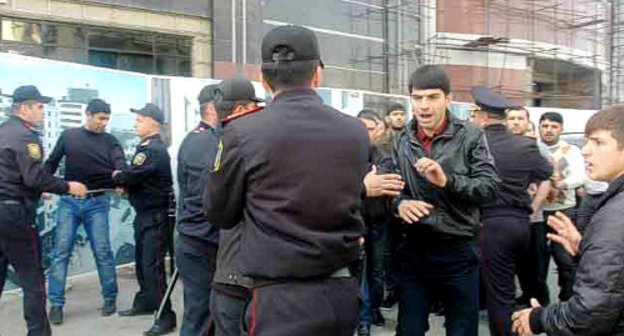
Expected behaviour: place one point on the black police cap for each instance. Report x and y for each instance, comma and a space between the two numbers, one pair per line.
29, 93
490, 101
98, 106
290, 44
207, 94
151, 110
237, 89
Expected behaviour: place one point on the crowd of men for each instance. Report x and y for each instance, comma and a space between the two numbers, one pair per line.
295, 219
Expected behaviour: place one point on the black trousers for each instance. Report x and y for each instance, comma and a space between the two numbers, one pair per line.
533, 267
304, 308
506, 236
21, 247
566, 265
227, 312
152, 239
394, 238
375, 244
196, 263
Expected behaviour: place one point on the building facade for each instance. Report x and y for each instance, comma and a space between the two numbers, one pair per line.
164, 37
541, 53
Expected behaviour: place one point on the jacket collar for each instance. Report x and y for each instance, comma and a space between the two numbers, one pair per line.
17, 120
615, 187
452, 126
297, 92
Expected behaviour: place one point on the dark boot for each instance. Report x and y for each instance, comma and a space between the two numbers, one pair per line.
165, 325
109, 308
56, 315
377, 319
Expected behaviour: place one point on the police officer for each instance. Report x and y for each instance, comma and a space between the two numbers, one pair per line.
22, 180
198, 239
506, 224
235, 98
293, 174
149, 183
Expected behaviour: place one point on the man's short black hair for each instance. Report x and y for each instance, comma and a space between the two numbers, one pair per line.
430, 77
225, 107
551, 116
395, 107
369, 115
286, 75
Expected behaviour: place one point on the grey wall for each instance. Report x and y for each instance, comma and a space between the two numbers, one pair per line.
202, 8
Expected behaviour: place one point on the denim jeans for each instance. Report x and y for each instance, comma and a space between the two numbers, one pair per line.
93, 214
430, 273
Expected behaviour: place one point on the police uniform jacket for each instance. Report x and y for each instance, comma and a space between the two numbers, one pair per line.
293, 173
518, 162
148, 178
195, 160
22, 175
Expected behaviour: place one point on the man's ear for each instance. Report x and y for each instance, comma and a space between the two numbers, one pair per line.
317, 77
266, 85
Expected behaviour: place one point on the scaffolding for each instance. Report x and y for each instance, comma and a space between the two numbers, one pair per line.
565, 43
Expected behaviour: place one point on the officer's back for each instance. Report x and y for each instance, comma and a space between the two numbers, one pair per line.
298, 152
296, 170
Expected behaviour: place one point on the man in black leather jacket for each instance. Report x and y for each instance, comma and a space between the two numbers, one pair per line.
597, 303
448, 172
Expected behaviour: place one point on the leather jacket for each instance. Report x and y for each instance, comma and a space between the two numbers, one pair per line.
462, 152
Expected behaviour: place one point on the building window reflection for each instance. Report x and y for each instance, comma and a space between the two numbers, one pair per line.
117, 49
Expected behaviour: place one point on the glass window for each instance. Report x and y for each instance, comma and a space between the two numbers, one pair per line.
118, 41
20, 31
173, 46
169, 65
116, 49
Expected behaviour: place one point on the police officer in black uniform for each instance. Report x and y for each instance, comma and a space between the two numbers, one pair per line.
506, 223
198, 239
293, 175
22, 180
149, 183
235, 98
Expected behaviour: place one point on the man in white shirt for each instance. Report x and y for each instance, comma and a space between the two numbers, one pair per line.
569, 174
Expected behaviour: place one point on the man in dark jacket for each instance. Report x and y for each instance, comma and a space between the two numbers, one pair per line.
506, 224
198, 239
448, 172
234, 99
297, 188
597, 303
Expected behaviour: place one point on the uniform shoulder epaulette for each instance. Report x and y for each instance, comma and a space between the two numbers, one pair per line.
240, 115
200, 129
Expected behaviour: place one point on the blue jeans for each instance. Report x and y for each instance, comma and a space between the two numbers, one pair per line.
430, 273
93, 214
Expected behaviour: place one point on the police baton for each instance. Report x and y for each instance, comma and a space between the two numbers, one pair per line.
172, 283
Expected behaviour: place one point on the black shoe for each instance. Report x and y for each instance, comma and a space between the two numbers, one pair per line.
437, 308
109, 308
390, 301
377, 319
56, 315
363, 330
135, 312
161, 328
